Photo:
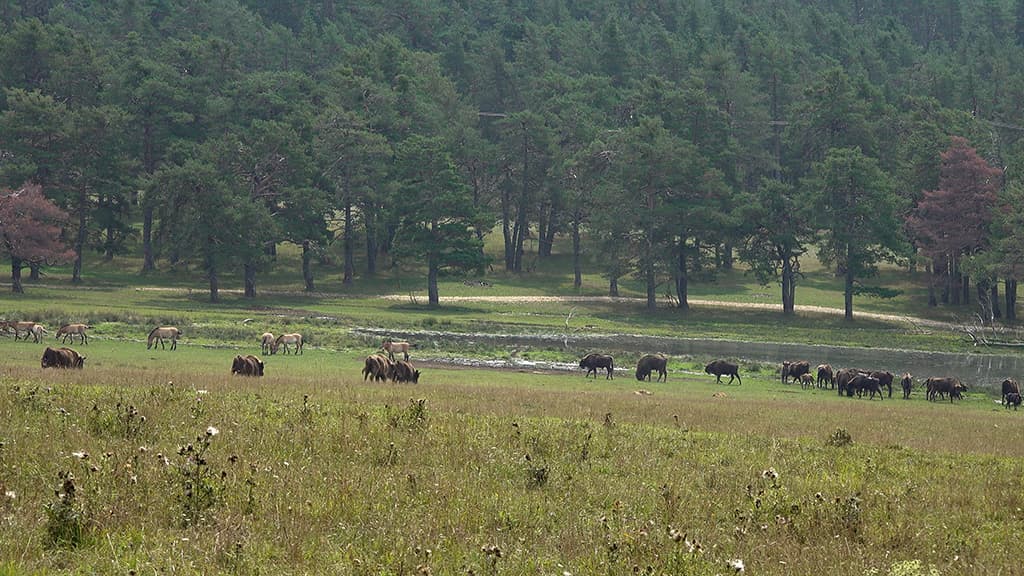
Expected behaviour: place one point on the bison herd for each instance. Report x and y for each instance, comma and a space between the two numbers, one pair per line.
848, 382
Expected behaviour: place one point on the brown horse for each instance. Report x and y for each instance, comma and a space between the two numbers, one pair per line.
159, 333
70, 330
286, 339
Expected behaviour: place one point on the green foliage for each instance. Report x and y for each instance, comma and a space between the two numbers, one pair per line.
67, 522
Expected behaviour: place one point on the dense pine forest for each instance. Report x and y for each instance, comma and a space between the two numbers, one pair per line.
674, 139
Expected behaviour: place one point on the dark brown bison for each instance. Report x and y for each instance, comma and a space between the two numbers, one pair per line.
1009, 386
1012, 399
884, 380
722, 368
825, 376
248, 365
843, 378
403, 371
649, 363
907, 383
378, 367
62, 358
941, 386
862, 383
794, 370
594, 361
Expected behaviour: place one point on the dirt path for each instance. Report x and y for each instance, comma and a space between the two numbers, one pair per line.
693, 303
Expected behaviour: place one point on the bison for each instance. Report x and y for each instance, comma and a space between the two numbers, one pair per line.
794, 370
907, 383
1012, 399
884, 379
806, 381
594, 361
825, 376
941, 386
843, 378
403, 371
649, 363
62, 358
248, 365
378, 367
1010, 386
864, 383
722, 368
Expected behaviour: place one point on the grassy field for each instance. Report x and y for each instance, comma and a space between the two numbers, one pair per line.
152, 461
311, 470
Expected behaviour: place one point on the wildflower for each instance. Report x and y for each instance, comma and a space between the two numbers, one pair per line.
770, 473
10, 494
212, 431
81, 455
736, 565
201, 392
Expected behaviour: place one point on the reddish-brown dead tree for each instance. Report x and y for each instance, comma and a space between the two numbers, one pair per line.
953, 221
30, 230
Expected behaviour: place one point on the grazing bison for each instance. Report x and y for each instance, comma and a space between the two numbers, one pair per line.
794, 370
1010, 386
378, 367
843, 378
941, 386
649, 363
248, 365
62, 358
862, 383
1013, 399
907, 383
722, 368
594, 361
825, 376
806, 381
884, 380
403, 371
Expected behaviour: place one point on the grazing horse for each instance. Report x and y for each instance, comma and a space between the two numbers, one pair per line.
19, 327
390, 346
70, 330
37, 332
266, 342
159, 333
286, 339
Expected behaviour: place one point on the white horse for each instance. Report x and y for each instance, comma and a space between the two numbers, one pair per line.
286, 339
266, 342
38, 331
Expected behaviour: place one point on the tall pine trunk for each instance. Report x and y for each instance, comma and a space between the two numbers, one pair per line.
848, 285
682, 277
371, 243
613, 286
83, 199
250, 279
577, 281
16, 286
148, 263
788, 286
307, 269
432, 266
348, 245
1011, 299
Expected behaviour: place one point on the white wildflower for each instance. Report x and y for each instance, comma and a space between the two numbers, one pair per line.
212, 431
81, 454
736, 565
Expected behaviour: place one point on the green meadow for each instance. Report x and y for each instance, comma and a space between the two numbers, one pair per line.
154, 461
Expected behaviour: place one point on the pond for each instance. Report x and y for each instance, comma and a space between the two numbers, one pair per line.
975, 370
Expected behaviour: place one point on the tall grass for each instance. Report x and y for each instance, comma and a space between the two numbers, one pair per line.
310, 470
